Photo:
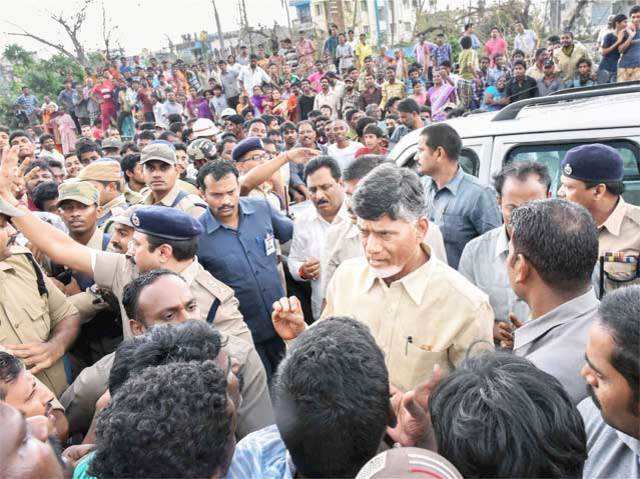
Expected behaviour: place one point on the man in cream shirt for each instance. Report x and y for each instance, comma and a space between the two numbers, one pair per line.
420, 311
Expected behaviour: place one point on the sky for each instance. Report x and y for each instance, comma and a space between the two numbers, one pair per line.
141, 23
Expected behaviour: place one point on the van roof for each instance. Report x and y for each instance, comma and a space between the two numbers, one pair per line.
611, 111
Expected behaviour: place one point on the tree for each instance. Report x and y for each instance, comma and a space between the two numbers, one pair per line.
108, 29
71, 25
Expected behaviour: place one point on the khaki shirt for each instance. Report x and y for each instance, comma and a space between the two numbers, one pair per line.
105, 211
27, 317
188, 187
343, 243
620, 234
132, 197
431, 316
568, 65
191, 204
255, 412
114, 271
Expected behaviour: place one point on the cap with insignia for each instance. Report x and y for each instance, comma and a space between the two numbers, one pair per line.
80, 191
158, 151
101, 170
593, 163
247, 145
123, 216
111, 144
165, 222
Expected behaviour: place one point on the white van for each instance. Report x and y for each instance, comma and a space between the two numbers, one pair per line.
543, 129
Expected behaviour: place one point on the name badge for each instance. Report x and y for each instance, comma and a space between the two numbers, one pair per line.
269, 245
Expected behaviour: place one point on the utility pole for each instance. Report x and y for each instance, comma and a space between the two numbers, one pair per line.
285, 5
220, 34
247, 29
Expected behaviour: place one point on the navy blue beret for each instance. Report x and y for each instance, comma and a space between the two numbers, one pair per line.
594, 162
165, 222
245, 146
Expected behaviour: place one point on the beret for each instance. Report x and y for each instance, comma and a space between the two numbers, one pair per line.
245, 146
103, 169
165, 222
593, 162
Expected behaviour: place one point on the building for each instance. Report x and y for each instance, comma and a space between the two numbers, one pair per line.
385, 21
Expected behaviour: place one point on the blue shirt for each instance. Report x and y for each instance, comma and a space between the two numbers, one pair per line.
631, 56
245, 260
261, 454
463, 209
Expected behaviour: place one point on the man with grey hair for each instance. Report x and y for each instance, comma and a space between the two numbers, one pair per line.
420, 311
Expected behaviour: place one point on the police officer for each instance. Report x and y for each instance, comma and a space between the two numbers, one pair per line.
111, 147
106, 176
592, 176
158, 161
37, 322
254, 413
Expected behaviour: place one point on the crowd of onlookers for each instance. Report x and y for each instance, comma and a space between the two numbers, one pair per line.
213, 270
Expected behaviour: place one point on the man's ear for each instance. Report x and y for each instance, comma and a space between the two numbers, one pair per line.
137, 328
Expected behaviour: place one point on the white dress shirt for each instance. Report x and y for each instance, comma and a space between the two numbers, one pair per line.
309, 235
250, 78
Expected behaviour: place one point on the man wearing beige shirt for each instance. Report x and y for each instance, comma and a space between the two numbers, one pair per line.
343, 239
420, 311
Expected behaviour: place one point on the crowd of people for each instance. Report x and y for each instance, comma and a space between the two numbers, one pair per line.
214, 271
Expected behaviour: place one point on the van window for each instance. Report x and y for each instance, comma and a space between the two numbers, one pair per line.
468, 161
552, 156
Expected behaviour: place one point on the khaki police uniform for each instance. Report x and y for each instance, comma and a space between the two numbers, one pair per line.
114, 271
620, 236
190, 204
131, 197
188, 188
26, 316
106, 211
254, 413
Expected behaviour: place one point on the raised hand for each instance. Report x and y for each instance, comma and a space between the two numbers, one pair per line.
301, 155
287, 317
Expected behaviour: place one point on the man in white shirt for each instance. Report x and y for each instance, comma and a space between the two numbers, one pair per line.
343, 150
252, 75
328, 97
525, 40
310, 227
171, 107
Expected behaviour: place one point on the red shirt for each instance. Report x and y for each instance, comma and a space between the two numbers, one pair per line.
370, 151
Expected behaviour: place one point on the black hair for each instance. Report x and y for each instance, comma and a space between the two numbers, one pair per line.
553, 39
131, 292
129, 162
44, 192
86, 146
559, 239
165, 135
218, 169
362, 123
18, 134
348, 114
163, 344
584, 60
497, 415
362, 166
227, 139
444, 136
41, 164
408, 105
634, 9
323, 162
373, 129
4, 129
521, 170
618, 313
10, 369
517, 51
129, 146
520, 63
465, 43
176, 126
179, 146
167, 421
44, 137
539, 52
182, 250
147, 135
331, 398
616, 188
148, 125
287, 126
467, 26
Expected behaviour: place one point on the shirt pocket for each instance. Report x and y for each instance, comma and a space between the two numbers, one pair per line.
38, 321
415, 365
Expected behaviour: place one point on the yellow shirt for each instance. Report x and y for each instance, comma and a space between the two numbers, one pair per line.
389, 90
431, 316
363, 51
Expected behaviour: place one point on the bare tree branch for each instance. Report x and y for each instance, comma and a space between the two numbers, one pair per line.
58, 46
